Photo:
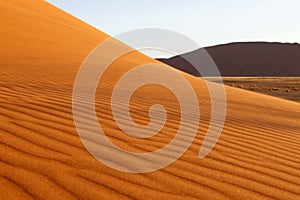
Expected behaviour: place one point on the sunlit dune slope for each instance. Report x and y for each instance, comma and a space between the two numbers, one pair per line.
42, 156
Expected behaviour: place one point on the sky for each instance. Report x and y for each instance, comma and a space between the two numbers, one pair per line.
208, 22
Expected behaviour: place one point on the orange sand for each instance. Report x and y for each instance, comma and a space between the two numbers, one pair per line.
41, 155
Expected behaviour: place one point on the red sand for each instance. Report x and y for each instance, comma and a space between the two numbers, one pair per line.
41, 156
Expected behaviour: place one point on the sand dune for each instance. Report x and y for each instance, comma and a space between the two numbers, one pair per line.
41, 156
247, 59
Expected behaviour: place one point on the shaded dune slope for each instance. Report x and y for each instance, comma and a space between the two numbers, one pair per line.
247, 59
41, 155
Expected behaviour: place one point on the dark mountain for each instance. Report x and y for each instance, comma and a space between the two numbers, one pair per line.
247, 59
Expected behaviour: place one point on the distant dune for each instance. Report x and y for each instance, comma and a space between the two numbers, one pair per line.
42, 156
248, 59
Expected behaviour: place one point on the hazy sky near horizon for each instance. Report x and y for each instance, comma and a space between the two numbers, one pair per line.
207, 22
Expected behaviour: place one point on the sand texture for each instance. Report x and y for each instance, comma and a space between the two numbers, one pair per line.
42, 156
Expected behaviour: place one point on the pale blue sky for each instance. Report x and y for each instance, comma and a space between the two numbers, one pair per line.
207, 22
